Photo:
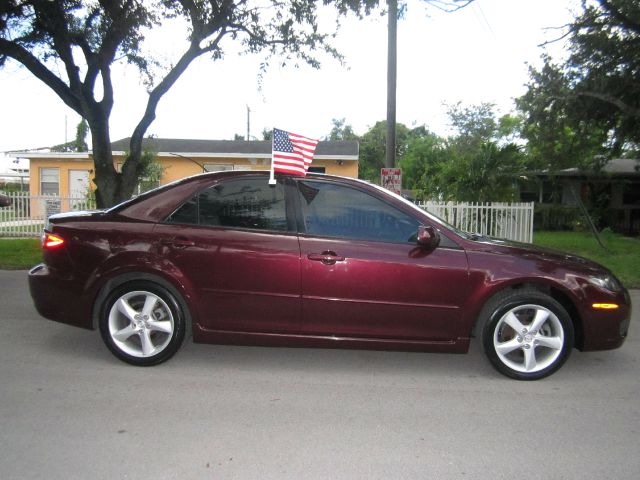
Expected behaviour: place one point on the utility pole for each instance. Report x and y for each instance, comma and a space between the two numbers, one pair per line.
392, 48
248, 122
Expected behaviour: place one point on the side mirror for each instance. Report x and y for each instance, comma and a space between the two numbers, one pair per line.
428, 237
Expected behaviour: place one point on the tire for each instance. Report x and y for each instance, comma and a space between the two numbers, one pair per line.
142, 323
526, 334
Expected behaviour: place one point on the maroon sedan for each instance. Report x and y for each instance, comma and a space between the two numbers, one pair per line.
319, 261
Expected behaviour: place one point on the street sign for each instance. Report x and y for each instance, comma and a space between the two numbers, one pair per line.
391, 179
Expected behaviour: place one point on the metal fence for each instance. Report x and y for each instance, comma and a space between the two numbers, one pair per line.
509, 221
26, 215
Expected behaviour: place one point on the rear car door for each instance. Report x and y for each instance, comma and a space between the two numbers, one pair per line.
363, 274
232, 242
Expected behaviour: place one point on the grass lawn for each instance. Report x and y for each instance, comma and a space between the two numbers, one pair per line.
622, 256
19, 253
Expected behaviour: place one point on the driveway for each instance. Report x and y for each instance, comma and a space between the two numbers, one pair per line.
69, 410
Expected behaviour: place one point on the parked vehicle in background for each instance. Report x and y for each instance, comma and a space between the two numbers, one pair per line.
316, 261
5, 201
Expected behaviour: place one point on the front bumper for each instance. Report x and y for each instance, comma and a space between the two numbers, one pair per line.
607, 329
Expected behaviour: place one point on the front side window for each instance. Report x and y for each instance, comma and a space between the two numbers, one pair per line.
49, 181
340, 211
246, 203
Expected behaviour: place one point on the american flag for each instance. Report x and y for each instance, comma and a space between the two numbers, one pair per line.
292, 153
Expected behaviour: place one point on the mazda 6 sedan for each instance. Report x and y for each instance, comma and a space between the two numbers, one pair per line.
316, 261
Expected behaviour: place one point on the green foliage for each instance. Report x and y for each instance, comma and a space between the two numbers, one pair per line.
373, 147
622, 256
19, 253
558, 135
479, 164
79, 144
341, 131
588, 107
422, 164
267, 134
72, 45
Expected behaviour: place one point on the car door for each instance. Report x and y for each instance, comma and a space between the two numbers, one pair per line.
233, 244
363, 274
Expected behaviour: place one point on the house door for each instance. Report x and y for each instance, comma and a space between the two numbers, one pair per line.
78, 183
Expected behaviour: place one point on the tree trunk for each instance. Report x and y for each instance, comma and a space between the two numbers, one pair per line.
113, 187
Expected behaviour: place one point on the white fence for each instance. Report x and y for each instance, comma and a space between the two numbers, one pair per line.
512, 221
26, 214
509, 221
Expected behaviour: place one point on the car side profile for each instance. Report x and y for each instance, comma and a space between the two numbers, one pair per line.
316, 261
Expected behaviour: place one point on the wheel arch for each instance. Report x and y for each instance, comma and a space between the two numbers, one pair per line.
126, 277
552, 291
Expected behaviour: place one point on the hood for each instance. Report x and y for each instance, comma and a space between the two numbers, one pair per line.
535, 253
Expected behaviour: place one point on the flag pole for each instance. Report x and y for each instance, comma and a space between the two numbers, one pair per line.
272, 180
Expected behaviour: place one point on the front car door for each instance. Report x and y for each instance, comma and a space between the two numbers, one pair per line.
363, 274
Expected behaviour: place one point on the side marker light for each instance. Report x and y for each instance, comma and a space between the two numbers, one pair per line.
605, 306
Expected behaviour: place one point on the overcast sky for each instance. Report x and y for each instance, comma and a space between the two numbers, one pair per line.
478, 54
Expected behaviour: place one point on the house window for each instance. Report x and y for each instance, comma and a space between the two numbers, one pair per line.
317, 169
49, 181
631, 193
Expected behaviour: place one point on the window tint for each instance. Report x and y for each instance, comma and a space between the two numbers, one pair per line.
248, 203
341, 211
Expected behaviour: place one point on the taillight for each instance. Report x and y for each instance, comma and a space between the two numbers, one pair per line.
51, 241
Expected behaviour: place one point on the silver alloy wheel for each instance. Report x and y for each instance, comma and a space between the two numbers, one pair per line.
141, 324
528, 338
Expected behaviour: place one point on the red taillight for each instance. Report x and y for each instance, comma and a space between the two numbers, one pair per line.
52, 241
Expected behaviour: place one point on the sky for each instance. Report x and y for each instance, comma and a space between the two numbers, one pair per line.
478, 54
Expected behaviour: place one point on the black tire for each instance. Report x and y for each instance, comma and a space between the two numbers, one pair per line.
526, 334
142, 323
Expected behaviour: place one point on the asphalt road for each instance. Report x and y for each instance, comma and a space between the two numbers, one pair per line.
69, 410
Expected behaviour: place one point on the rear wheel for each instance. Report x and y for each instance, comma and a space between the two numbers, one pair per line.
142, 323
526, 335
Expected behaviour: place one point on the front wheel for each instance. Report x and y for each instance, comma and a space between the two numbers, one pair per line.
527, 335
142, 323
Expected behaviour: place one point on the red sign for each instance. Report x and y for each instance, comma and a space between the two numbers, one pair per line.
391, 179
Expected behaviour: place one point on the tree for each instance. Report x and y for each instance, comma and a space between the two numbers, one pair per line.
481, 163
72, 45
589, 105
341, 131
373, 147
78, 144
558, 135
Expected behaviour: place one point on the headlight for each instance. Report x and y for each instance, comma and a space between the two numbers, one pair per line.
608, 282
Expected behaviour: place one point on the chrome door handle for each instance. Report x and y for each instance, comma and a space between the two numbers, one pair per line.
327, 258
177, 242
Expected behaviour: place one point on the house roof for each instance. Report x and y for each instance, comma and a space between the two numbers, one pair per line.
331, 150
346, 150
615, 167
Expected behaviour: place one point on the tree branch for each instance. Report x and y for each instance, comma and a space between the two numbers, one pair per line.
610, 99
625, 20
41, 72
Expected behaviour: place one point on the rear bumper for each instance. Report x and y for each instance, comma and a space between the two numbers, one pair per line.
58, 298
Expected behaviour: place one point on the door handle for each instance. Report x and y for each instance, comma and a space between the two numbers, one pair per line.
178, 242
327, 258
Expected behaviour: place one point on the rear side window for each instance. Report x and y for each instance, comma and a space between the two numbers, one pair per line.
333, 210
245, 203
